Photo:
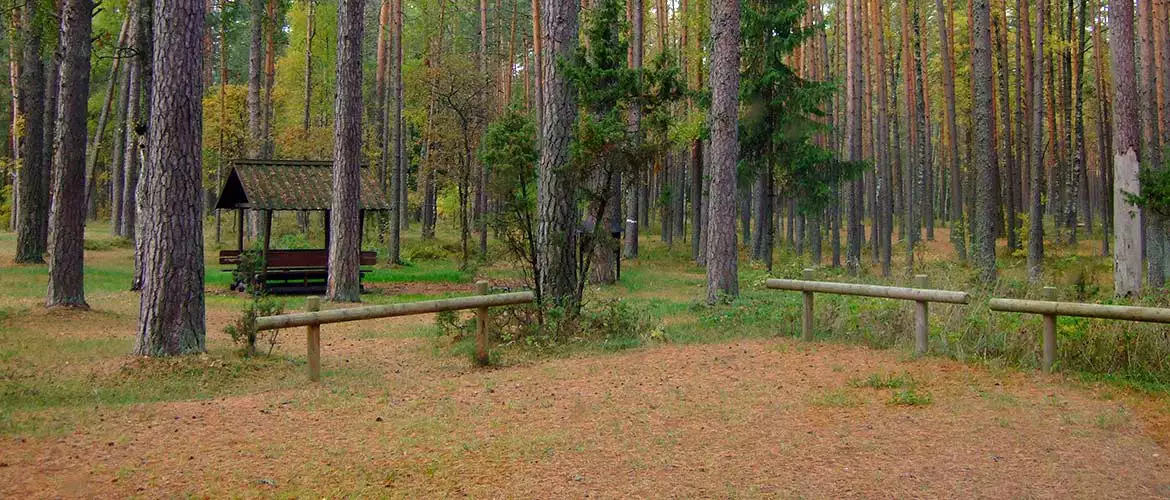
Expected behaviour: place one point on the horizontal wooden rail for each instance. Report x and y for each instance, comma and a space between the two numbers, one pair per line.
922, 297
1130, 313
884, 292
392, 310
1050, 309
312, 319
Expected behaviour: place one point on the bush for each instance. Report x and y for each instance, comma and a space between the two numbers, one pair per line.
243, 330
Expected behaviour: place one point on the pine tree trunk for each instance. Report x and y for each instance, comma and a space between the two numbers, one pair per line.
1023, 64
698, 225
1127, 256
394, 239
255, 79
94, 147
919, 203
1036, 204
1006, 143
1148, 89
117, 161
722, 268
538, 75
33, 188
556, 194
345, 238
130, 167
983, 253
885, 175
1075, 195
925, 131
267, 145
637, 49
67, 214
853, 130
400, 155
171, 316
380, 96
1104, 154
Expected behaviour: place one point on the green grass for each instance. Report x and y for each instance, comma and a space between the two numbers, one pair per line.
910, 397
836, 398
878, 381
663, 290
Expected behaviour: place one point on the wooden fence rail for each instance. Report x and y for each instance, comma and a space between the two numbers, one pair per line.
922, 296
313, 318
1050, 309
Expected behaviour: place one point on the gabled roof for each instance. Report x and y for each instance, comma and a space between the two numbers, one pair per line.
291, 185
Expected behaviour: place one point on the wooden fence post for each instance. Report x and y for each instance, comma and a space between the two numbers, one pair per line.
481, 335
1049, 333
807, 319
921, 310
313, 304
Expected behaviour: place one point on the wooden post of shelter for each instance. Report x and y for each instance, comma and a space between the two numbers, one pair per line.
267, 242
481, 333
327, 231
313, 331
921, 310
807, 318
1049, 358
240, 229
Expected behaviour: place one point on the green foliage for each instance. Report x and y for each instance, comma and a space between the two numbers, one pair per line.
781, 109
617, 324
6, 199
509, 152
243, 330
1155, 190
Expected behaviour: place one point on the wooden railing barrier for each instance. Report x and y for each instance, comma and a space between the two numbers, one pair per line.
313, 318
922, 296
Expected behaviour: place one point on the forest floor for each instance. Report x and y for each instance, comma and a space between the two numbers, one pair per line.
399, 412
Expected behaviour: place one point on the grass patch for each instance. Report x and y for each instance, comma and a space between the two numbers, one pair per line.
910, 397
837, 398
878, 381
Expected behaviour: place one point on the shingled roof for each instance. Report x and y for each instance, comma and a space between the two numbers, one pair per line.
291, 185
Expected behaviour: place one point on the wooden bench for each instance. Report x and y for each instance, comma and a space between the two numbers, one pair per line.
292, 271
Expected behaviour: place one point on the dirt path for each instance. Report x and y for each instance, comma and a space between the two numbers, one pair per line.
759, 419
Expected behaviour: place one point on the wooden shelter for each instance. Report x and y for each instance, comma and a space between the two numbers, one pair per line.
268, 186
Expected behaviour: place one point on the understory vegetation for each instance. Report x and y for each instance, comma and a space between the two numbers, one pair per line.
658, 301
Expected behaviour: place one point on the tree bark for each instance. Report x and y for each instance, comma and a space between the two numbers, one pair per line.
171, 313
855, 232
917, 186
983, 254
882, 142
1006, 145
1127, 255
722, 268
556, 195
117, 160
345, 210
632, 183
33, 188
256, 80
1078, 164
1152, 148
1104, 137
398, 188
67, 214
1035, 202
